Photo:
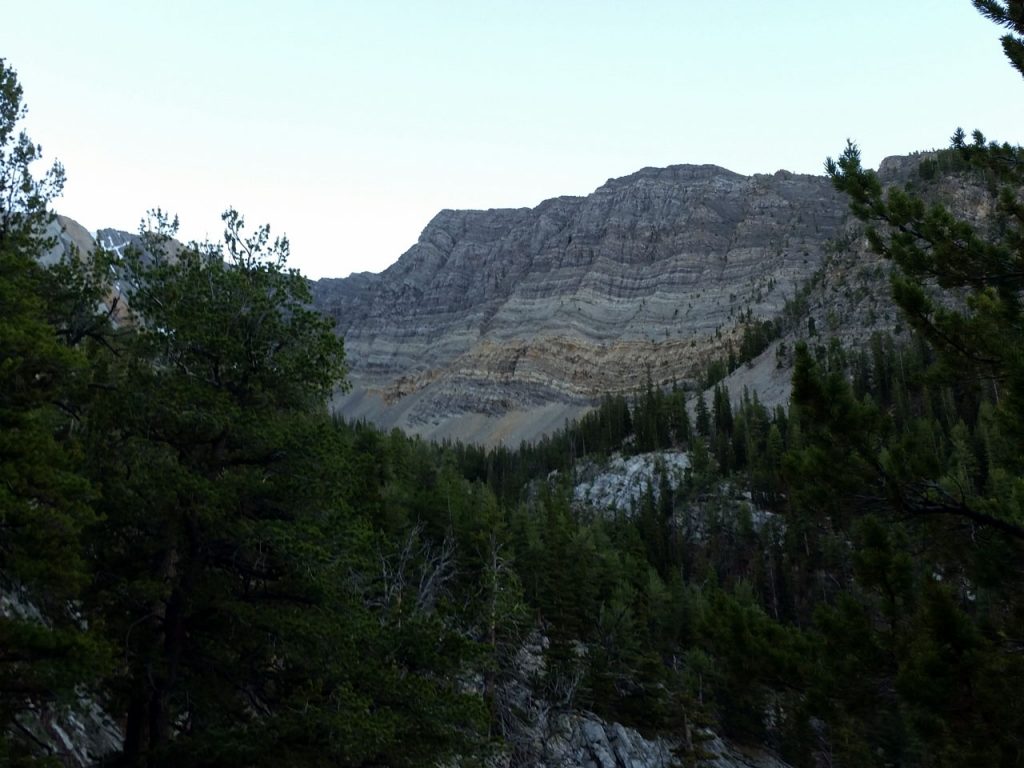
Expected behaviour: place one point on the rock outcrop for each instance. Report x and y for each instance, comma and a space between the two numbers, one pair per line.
72, 734
620, 483
542, 733
497, 325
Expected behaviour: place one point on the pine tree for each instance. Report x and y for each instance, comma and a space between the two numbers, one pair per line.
44, 499
936, 561
257, 625
937, 253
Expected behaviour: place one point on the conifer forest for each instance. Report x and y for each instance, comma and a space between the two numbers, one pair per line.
193, 544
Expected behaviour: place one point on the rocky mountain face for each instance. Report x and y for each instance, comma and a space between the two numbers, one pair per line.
542, 733
498, 325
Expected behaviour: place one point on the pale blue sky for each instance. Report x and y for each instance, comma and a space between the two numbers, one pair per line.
348, 125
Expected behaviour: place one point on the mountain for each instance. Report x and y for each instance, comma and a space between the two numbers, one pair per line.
631, 600
498, 325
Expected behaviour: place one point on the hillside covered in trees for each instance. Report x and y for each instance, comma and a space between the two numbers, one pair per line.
192, 545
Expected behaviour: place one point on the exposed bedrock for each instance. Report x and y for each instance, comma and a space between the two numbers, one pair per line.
508, 311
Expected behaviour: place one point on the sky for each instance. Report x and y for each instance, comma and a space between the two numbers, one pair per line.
348, 125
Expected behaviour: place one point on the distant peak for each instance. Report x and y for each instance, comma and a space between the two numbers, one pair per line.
673, 173
897, 166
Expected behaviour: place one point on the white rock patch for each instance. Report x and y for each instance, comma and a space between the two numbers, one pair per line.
620, 485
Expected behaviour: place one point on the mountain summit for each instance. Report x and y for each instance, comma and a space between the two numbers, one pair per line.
498, 325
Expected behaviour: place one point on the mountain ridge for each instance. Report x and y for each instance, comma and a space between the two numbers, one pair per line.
498, 325
503, 314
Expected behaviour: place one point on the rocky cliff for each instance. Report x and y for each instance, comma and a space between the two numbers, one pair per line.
497, 325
